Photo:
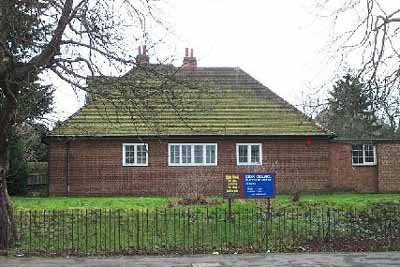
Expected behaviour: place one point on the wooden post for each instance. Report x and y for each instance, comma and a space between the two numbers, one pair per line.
269, 213
230, 209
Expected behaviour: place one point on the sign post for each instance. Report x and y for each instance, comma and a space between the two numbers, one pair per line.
249, 185
232, 190
259, 186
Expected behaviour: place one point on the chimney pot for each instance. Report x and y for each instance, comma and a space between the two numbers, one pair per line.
142, 58
189, 63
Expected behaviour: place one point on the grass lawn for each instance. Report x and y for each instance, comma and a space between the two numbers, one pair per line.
61, 203
345, 200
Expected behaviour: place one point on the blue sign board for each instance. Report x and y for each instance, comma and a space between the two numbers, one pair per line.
258, 185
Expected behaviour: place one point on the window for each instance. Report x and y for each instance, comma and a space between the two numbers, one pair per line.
192, 154
198, 154
363, 154
174, 154
248, 154
186, 154
134, 155
211, 151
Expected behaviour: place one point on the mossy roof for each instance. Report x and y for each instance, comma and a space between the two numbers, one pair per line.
206, 101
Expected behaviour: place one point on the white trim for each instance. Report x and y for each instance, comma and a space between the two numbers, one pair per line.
363, 151
248, 163
135, 164
192, 154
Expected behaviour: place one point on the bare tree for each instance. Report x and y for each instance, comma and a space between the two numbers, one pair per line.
72, 39
365, 34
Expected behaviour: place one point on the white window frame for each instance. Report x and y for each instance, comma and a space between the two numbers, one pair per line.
135, 164
192, 154
248, 163
363, 150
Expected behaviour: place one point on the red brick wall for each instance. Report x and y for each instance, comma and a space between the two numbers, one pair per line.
389, 167
346, 177
56, 154
95, 167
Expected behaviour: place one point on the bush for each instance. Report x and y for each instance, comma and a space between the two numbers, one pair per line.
18, 173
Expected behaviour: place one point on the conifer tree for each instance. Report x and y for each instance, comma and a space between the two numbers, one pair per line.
350, 112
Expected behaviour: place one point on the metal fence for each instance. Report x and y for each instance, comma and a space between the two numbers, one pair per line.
202, 230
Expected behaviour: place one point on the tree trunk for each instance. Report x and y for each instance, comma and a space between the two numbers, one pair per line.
7, 224
14, 76
7, 120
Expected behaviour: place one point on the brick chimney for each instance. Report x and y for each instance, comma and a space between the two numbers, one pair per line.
189, 62
142, 58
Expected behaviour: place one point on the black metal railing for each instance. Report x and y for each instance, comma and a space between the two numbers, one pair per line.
197, 230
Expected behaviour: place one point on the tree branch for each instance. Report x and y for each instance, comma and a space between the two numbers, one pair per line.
53, 48
104, 53
62, 77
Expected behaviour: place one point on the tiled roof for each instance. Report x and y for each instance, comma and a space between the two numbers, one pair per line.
206, 101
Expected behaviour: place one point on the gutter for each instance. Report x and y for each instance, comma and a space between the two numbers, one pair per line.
192, 136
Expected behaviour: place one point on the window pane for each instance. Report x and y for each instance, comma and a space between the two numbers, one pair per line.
243, 149
186, 154
171, 154
357, 147
357, 154
255, 153
210, 154
358, 157
141, 154
129, 154
198, 154
174, 154
369, 153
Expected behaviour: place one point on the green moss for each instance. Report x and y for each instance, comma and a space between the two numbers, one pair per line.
224, 101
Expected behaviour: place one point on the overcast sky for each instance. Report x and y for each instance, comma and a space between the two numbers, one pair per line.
280, 43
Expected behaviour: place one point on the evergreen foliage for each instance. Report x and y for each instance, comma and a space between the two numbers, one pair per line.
351, 111
17, 176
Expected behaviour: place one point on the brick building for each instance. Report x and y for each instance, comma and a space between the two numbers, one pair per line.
163, 130
365, 165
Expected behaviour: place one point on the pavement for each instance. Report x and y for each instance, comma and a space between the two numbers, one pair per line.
250, 260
